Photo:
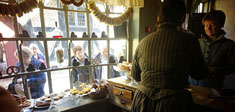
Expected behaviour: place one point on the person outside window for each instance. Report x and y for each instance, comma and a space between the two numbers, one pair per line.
218, 51
36, 81
100, 72
162, 63
37, 54
79, 75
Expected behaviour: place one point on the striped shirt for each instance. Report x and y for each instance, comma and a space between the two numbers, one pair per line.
164, 59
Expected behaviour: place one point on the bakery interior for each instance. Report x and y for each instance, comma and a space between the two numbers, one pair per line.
100, 27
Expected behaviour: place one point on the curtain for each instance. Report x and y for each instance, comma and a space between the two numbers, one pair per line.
126, 3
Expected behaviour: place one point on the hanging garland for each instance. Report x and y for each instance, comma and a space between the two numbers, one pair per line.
17, 8
106, 19
68, 2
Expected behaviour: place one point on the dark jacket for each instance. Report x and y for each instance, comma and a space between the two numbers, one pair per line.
80, 74
219, 54
97, 71
36, 81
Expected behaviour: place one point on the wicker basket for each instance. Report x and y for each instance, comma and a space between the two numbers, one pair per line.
97, 95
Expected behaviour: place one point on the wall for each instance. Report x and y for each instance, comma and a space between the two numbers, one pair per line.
142, 18
228, 6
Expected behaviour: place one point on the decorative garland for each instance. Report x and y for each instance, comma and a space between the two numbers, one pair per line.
68, 2
106, 19
17, 8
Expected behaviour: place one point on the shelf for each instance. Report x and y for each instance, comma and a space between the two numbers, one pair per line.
50, 69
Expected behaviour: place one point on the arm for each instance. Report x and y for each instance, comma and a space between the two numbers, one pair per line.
136, 68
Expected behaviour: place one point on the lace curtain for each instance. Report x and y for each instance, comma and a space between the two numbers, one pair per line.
126, 3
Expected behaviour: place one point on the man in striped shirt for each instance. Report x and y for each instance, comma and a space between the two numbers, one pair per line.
162, 63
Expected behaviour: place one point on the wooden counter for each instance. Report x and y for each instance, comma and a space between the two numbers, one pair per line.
121, 95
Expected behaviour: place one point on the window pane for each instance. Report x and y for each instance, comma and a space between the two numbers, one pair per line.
53, 3
101, 6
77, 24
117, 31
117, 9
7, 58
7, 27
52, 16
98, 49
80, 8
118, 48
60, 80
100, 72
31, 23
58, 53
96, 26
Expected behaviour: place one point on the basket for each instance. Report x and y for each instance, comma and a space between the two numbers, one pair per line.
97, 95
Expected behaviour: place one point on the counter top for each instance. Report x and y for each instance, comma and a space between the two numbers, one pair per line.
122, 82
75, 103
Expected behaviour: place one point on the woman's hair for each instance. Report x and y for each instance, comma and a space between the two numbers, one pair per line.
216, 15
76, 48
26, 52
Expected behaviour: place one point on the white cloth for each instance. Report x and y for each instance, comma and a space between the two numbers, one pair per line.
104, 69
126, 3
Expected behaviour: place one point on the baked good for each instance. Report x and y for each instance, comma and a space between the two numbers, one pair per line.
48, 100
41, 104
43, 98
56, 98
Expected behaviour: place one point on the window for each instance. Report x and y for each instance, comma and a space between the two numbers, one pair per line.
101, 48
